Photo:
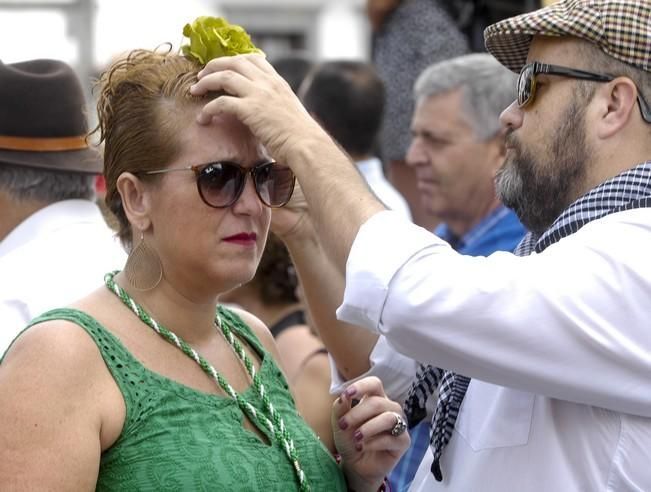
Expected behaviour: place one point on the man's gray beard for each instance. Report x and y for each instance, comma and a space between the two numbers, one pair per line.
509, 186
539, 191
516, 195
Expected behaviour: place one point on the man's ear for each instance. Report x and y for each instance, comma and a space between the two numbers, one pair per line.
135, 200
616, 105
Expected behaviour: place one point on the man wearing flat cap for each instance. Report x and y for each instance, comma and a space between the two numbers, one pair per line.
54, 243
536, 365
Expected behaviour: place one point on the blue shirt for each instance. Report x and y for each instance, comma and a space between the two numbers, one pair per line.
498, 231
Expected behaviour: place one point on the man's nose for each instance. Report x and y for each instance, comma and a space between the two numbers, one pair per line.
415, 154
511, 118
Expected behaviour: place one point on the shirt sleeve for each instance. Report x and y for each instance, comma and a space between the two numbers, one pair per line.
569, 323
371, 266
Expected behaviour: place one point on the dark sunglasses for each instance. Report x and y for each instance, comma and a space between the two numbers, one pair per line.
220, 184
527, 83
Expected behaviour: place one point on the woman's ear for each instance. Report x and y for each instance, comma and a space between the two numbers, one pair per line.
617, 103
135, 200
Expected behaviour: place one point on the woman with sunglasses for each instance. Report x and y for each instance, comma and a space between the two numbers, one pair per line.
147, 383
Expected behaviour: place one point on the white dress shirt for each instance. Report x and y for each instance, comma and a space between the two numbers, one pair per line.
54, 257
558, 345
372, 171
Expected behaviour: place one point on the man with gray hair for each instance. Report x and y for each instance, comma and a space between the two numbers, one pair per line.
54, 243
457, 148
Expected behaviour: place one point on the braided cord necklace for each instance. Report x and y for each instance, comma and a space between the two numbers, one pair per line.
276, 424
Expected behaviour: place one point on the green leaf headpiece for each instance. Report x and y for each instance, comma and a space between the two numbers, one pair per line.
212, 37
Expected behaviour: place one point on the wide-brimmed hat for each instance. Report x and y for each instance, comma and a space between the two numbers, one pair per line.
620, 28
42, 118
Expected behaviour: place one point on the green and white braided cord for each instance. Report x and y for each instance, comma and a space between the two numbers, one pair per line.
276, 424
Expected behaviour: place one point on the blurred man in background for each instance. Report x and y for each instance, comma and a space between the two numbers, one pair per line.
347, 99
52, 233
408, 36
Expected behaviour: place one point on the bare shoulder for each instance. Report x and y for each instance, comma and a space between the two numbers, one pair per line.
256, 324
57, 384
54, 358
295, 345
259, 329
300, 339
316, 367
57, 342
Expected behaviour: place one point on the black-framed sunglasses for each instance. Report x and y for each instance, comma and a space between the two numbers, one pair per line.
220, 184
527, 83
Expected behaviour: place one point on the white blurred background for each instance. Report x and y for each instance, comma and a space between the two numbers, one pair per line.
88, 33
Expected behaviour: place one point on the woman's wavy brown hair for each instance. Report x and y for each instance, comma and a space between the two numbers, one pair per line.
143, 103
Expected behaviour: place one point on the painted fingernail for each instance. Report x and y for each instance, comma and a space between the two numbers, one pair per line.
358, 436
359, 446
350, 392
343, 425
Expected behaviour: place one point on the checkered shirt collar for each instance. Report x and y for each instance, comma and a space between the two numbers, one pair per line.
621, 192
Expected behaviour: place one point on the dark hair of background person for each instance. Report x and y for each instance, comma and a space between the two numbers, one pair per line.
275, 279
293, 68
347, 98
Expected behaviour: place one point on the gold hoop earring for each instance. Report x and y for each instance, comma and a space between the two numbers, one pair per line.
143, 269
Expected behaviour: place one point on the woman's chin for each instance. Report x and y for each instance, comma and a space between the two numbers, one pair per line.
240, 278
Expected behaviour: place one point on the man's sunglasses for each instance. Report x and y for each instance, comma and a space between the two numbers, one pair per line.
220, 184
527, 83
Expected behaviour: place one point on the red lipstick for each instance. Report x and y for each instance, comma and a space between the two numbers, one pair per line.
242, 238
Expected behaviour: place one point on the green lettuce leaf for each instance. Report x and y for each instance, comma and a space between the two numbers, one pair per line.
212, 37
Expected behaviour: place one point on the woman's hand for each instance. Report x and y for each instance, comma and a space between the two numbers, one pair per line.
362, 420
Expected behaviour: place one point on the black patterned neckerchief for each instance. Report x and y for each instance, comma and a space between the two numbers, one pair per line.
628, 190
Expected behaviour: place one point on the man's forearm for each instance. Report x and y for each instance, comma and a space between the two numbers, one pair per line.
323, 286
338, 198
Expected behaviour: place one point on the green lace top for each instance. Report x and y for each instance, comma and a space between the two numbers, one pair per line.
178, 438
